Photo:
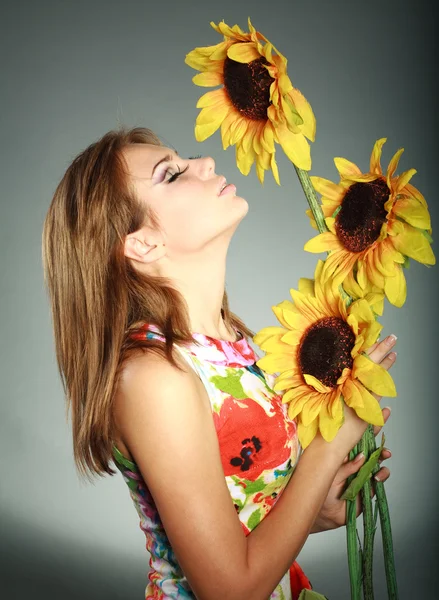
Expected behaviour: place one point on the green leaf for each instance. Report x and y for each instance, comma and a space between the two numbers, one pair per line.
230, 384
363, 474
252, 487
406, 263
311, 595
254, 519
427, 235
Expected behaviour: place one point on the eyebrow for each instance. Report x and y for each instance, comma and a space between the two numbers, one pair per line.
164, 159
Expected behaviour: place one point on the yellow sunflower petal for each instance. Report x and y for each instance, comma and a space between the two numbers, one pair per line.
370, 411
296, 398
414, 244
295, 147
306, 434
267, 137
225, 128
335, 405
363, 178
212, 98
237, 130
415, 193
413, 212
312, 408
285, 383
312, 221
327, 425
346, 168
207, 79
371, 334
305, 111
292, 337
231, 32
268, 333
260, 172
292, 118
273, 363
293, 319
373, 376
351, 394
202, 132
375, 158
306, 286
362, 311
316, 384
274, 169
403, 180
393, 164
396, 287
244, 160
327, 188
324, 242
244, 52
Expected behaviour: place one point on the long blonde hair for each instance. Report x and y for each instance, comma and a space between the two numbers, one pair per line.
98, 300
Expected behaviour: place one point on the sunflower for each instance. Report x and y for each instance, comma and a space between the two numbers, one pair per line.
319, 358
257, 104
376, 224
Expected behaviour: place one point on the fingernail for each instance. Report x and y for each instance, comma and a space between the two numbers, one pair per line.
359, 457
377, 477
388, 408
391, 339
393, 355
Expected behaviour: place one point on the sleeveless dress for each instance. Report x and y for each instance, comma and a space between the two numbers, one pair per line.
259, 450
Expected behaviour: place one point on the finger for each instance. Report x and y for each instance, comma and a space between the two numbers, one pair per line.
385, 454
372, 348
378, 351
349, 468
386, 414
383, 474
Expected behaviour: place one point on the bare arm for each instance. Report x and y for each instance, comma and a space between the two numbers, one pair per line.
165, 419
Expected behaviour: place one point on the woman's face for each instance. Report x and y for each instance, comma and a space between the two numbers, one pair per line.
185, 195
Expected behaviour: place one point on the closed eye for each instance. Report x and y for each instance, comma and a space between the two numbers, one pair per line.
176, 175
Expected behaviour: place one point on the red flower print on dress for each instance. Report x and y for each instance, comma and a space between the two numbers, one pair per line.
250, 439
298, 581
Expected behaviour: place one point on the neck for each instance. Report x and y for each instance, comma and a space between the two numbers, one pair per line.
201, 281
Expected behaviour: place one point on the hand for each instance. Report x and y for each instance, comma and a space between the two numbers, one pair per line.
353, 427
333, 511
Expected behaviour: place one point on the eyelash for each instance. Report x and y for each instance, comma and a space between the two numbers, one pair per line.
176, 175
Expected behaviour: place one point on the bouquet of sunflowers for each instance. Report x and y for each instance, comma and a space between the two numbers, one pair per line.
370, 223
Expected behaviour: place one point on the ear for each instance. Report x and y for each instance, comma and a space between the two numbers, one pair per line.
144, 247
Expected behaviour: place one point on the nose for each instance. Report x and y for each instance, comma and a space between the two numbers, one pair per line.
208, 166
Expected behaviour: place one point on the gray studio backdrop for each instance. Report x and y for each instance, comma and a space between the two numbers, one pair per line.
73, 70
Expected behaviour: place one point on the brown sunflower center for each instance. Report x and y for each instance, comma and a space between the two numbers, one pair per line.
248, 87
325, 350
362, 214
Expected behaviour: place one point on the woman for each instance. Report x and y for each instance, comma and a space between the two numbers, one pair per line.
160, 376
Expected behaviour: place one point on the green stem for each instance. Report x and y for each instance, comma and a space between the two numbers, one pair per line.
310, 194
354, 553
386, 530
368, 522
317, 212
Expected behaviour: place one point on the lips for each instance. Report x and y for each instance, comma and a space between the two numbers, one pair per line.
228, 189
223, 182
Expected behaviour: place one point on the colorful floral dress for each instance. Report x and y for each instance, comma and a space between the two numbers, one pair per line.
259, 450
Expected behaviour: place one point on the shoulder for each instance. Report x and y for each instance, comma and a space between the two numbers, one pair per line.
152, 391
